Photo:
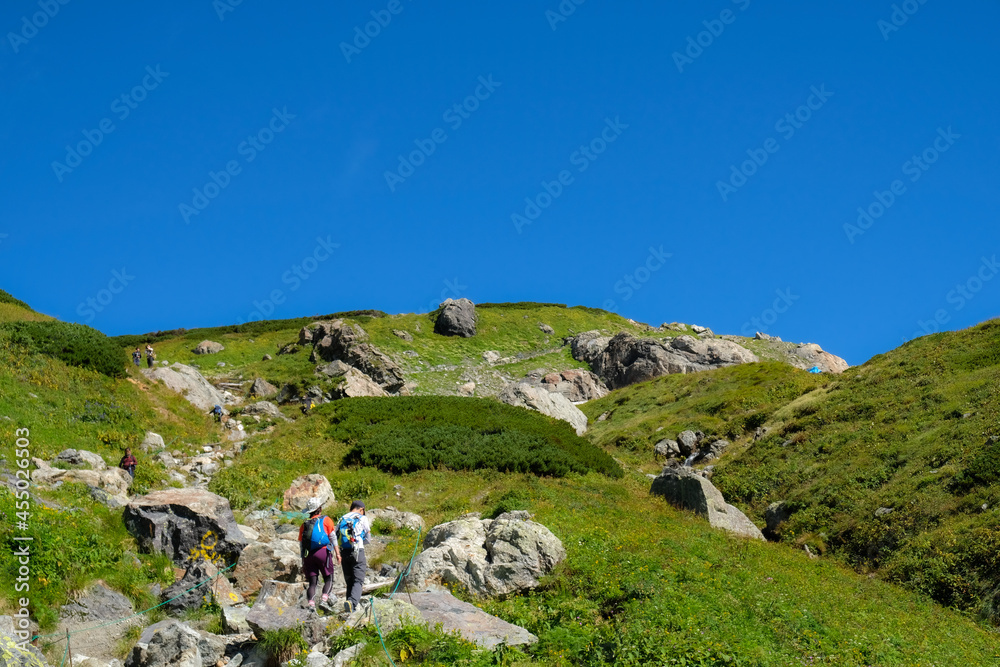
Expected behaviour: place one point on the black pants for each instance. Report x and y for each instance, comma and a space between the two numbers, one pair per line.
354, 565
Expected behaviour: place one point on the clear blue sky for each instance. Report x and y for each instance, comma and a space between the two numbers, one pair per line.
625, 147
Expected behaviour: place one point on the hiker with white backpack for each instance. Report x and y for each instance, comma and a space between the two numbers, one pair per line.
318, 547
353, 531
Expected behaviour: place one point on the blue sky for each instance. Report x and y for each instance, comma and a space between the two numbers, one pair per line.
209, 163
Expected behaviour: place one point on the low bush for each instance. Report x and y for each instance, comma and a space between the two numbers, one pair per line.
406, 434
6, 297
74, 344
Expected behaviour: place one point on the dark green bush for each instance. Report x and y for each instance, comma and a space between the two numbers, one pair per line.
74, 344
982, 470
406, 434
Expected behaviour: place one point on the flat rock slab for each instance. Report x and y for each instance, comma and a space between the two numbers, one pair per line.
475, 624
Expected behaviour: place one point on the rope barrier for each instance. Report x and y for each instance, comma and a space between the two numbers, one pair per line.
398, 582
126, 618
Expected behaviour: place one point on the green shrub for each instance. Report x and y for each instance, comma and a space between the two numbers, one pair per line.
406, 434
74, 344
282, 645
5, 297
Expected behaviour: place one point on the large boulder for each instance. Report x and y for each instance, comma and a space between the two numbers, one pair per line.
98, 603
338, 340
577, 385
266, 409
297, 495
397, 518
184, 595
262, 561
392, 614
208, 347
355, 384
487, 557
812, 354
282, 606
172, 644
152, 442
185, 524
628, 360
262, 388
686, 489
189, 382
15, 647
472, 623
456, 318
588, 345
524, 395
112, 481
82, 458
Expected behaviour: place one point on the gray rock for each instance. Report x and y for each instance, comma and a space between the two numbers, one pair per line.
98, 603
266, 408
349, 343
208, 347
81, 457
355, 384
191, 384
282, 606
576, 385
152, 442
667, 448
348, 655
882, 511
291, 348
472, 623
171, 644
305, 336
713, 450
298, 493
397, 518
183, 595
403, 335
546, 329
456, 318
263, 388
262, 561
487, 557
491, 357
266, 357
813, 355
686, 489
12, 638
688, 442
185, 524
113, 481
234, 620
628, 360
775, 515
392, 614
763, 336
589, 345
108, 500
334, 368
524, 395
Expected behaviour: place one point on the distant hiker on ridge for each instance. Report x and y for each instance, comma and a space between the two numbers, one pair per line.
317, 547
150, 355
128, 463
352, 533
217, 411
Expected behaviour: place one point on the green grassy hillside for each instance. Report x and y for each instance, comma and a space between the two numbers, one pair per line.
15, 310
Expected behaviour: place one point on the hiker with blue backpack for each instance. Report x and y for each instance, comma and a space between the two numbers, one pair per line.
353, 531
318, 548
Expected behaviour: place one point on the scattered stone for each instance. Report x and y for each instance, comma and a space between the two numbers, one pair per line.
170, 644
297, 495
524, 395
882, 511
266, 357
587, 346
208, 347
467, 389
546, 329
392, 614
81, 457
397, 518
813, 355
472, 623
334, 368
775, 515
667, 448
404, 335
291, 348
221, 364
456, 318
491, 357
688, 442
686, 489
348, 655
152, 442
763, 336
234, 620
713, 450
349, 343
113, 481
487, 557
262, 388
604, 416
267, 409
185, 524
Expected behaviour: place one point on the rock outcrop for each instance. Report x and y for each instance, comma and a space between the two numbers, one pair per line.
487, 557
472, 623
575, 384
189, 382
281, 606
297, 495
152, 442
185, 524
813, 355
356, 384
261, 388
11, 641
208, 347
262, 561
340, 341
265, 409
524, 395
171, 643
397, 518
456, 318
628, 360
588, 345
685, 488
112, 481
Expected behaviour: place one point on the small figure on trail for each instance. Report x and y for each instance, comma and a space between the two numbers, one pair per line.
217, 412
137, 357
128, 463
150, 356
307, 406
353, 531
318, 546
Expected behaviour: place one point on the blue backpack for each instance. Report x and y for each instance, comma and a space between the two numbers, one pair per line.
348, 531
314, 537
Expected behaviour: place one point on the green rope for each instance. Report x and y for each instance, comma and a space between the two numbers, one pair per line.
65, 651
398, 582
139, 613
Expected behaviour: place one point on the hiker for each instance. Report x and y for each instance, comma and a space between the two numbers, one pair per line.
353, 531
137, 357
217, 411
128, 463
307, 406
318, 547
150, 356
